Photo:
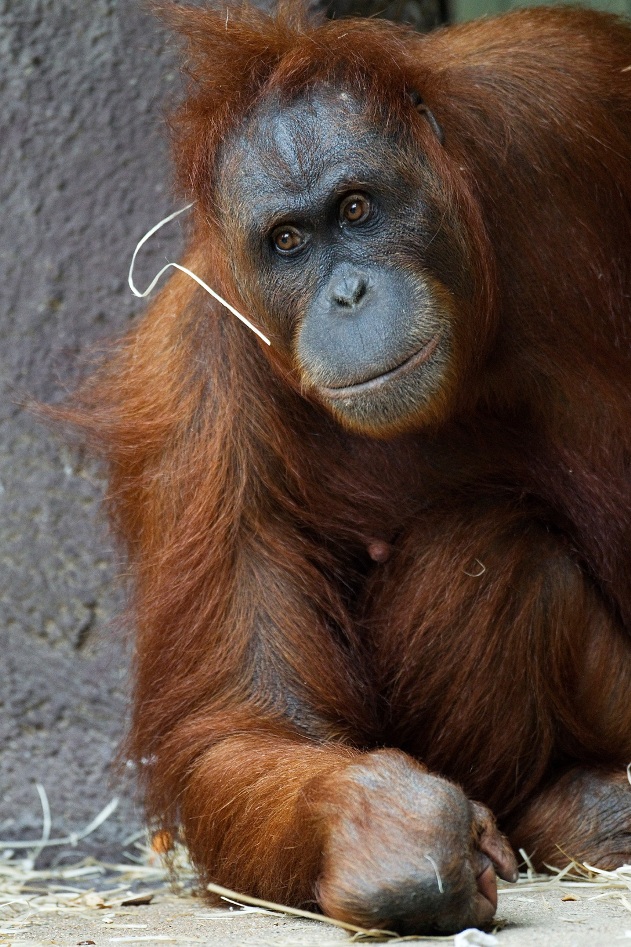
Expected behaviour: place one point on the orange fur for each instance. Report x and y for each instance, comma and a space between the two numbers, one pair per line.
274, 657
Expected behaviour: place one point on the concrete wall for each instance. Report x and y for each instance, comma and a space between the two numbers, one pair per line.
83, 175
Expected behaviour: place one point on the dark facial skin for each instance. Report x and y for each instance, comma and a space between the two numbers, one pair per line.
335, 239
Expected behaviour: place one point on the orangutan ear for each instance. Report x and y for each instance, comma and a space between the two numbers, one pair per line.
426, 112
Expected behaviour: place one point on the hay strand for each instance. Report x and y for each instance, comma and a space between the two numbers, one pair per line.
183, 269
90, 885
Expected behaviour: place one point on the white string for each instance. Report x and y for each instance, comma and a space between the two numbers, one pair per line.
439, 880
183, 269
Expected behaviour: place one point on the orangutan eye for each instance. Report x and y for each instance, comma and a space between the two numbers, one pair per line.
288, 239
354, 209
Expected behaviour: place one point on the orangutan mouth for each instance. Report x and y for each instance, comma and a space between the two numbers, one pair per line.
419, 357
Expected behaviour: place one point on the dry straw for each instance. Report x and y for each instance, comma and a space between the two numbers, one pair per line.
27, 893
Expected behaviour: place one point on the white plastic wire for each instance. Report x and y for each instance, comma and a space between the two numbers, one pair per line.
183, 269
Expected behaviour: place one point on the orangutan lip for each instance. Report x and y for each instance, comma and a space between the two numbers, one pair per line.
417, 358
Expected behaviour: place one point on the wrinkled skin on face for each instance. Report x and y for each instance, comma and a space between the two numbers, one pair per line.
344, 248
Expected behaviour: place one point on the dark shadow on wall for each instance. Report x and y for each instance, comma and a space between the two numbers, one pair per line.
84, 175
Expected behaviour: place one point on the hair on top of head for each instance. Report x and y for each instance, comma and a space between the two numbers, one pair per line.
234, 57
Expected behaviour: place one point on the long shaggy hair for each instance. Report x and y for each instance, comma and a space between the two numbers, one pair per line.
246, 512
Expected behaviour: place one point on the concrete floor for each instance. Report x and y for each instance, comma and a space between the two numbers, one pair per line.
529, 916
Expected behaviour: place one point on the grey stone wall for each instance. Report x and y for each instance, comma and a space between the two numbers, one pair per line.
83, 174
